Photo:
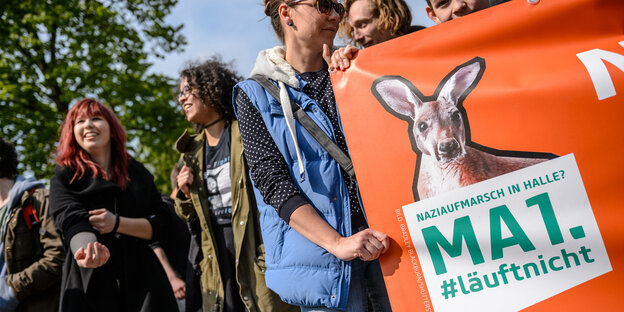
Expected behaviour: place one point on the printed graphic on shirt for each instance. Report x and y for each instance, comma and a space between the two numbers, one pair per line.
219, 191
217, 180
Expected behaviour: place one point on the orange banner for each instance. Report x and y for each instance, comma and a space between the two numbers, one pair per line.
488, 148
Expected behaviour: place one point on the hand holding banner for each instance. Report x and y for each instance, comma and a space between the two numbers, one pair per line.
466, 118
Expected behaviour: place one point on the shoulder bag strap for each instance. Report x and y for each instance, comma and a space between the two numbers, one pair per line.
319, 135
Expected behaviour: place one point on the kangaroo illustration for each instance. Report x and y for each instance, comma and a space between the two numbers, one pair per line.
440, 133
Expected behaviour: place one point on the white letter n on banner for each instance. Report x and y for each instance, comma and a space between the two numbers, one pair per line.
594, 62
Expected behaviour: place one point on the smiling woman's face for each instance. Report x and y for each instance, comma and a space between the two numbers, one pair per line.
92, 133
194, 109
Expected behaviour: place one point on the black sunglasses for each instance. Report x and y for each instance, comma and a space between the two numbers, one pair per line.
325, 6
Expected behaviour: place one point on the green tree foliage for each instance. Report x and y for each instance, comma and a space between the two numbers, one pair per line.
55, 52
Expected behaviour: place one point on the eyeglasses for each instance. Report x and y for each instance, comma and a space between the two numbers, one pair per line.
186, 91
325, 6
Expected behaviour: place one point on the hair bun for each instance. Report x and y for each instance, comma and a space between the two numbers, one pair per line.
267, 3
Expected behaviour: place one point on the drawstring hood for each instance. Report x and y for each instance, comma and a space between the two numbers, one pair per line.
272, 64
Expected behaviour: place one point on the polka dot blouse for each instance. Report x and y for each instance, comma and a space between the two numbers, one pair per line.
267, 165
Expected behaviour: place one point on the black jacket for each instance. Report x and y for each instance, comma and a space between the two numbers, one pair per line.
132, 279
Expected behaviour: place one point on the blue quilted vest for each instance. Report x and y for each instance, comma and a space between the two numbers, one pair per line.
301, 272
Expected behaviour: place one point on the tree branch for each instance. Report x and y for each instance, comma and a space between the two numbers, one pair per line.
55, 94
40, 61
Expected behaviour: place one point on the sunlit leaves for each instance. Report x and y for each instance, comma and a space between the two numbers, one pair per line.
54, 52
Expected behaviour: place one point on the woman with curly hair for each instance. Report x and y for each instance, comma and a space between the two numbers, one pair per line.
215, 190
107, 207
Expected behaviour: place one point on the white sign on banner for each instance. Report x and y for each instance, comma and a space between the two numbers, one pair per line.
509, 242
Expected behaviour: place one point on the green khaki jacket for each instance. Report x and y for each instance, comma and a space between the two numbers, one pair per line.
34, 257
248, 244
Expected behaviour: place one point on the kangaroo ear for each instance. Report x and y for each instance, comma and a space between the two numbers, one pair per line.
398, 97
457, 85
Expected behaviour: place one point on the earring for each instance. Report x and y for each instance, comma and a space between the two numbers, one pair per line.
290, 23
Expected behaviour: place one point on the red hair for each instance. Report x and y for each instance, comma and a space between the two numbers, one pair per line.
70, 154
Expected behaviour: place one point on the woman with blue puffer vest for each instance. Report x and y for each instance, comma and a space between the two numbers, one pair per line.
320, 253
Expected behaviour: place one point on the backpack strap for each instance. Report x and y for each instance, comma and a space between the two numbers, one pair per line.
30, 217
317, 133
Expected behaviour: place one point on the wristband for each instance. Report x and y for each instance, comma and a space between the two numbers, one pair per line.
114, 231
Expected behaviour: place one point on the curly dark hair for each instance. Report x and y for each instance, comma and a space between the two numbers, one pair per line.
8, 160
214, 81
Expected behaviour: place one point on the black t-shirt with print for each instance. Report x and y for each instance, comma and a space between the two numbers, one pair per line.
217, 179
219, 192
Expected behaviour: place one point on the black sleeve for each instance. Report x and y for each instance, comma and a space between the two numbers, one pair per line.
267, 166
157, 214
70, 216
161, 242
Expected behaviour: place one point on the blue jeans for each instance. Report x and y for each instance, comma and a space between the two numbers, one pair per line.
367, 290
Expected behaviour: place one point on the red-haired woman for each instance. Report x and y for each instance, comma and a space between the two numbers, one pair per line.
107, 207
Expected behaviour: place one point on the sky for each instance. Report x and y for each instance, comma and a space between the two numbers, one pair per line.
235, 29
